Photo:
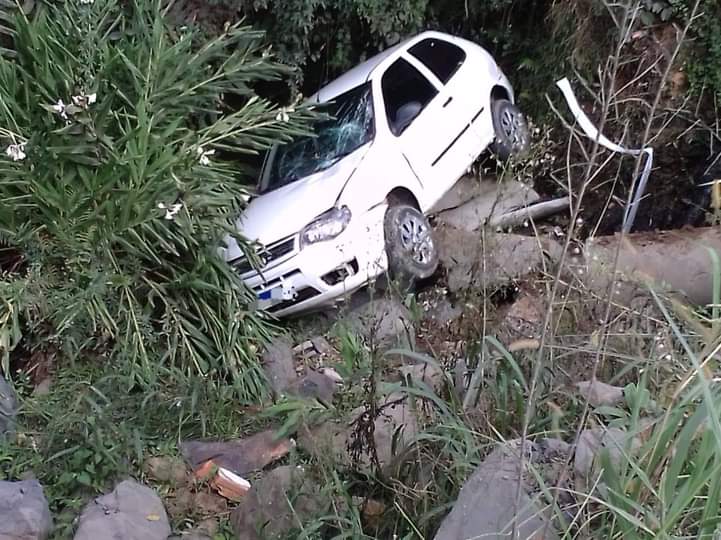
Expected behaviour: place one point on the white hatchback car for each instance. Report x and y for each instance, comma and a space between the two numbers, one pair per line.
337, 209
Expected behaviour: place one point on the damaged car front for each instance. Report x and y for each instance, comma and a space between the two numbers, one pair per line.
312, 247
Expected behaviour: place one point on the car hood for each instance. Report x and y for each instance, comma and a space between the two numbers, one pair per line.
285, 211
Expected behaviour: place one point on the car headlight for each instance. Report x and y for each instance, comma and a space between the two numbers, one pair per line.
326, 226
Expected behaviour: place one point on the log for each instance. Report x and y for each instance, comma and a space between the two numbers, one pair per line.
680, 261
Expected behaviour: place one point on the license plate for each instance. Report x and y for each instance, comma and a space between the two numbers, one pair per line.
275, 295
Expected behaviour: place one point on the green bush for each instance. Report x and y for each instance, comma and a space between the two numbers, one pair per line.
113, 200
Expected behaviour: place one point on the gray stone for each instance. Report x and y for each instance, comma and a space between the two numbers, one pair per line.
279, 364
166, 469
486, 506
314, 385
493, 199
277, 503
444, 311
485, 259
322, 347
24, 511
592, 442
384, 322
467, 188
131, 512
425, 372
394, 429
599, 393
8, 408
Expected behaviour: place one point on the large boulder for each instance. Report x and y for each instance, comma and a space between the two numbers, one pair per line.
474, 260
486, 506
8, 408
394, 428
491, 201
131, 512
383, 323
279, 364
24, 511
278, 502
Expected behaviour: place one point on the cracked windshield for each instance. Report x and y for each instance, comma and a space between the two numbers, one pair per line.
347, 127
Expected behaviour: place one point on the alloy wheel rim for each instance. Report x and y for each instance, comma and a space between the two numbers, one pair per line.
511, 125
416, 238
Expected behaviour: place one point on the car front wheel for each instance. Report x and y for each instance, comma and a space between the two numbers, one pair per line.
412, 254
512, 134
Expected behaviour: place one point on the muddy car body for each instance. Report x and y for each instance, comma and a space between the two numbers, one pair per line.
336, 210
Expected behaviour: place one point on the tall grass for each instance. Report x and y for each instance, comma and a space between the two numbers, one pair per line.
112, 215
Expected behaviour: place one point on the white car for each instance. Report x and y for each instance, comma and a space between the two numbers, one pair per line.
336, 210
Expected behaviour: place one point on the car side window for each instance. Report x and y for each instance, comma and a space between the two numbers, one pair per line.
441, 57
406, 92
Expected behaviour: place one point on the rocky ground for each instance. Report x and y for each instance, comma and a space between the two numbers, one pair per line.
365, 395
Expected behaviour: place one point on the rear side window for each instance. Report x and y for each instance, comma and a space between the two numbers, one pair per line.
406, 92
441, 57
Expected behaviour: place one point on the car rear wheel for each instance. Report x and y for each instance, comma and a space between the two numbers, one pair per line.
513, 137
412, 254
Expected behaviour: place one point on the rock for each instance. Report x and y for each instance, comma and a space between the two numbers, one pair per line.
524, 317
598, 393
493, 199
278, 364
384, 321
304, 349
372, 511
314, 385
467, 188
266, 508
8, 408
131, 512
486, 505
443, 311
425, 372
322, 347
24, 511
240, 456
592, 442
205, 530
645, 257
169, 470
395, 427
508, 257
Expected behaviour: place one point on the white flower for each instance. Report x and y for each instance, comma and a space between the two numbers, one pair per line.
170, 211
87, 1
59, 108
204, 155
16, 152
282, 115
85, 100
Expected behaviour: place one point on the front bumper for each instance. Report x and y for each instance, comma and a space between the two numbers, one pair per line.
322, 274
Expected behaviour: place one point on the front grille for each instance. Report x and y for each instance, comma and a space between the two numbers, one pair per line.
267, 255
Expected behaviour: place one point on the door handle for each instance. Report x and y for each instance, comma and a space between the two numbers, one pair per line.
450, 98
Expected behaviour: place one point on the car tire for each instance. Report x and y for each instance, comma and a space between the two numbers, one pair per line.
513, 138
412, 253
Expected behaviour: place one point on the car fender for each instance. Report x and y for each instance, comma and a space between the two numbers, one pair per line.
382, 170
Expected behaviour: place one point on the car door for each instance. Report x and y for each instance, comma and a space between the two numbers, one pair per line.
427, 123
459, 75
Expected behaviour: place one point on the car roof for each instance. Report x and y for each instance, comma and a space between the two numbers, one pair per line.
364, 71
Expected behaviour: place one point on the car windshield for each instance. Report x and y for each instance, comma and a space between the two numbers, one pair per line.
346, 126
